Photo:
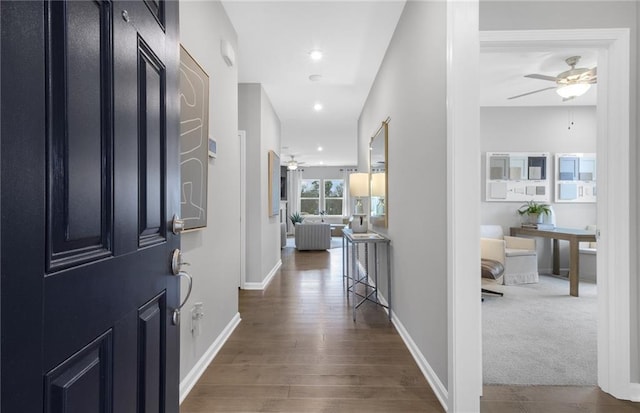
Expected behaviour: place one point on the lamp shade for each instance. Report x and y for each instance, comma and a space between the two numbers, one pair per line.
378, 187
359, 184
573, 90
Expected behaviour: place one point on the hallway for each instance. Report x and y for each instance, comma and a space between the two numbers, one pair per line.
298, 350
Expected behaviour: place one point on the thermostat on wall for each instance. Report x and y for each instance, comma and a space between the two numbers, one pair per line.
213, 148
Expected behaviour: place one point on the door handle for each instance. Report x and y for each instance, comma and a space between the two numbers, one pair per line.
176, 269
175, 318
177, 262
177, 224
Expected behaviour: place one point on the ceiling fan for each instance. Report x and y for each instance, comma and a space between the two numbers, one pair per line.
292, 164
569, 84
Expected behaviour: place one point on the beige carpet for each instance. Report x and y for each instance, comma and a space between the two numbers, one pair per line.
539, 334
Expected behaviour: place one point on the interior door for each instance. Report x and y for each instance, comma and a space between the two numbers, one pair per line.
89, 184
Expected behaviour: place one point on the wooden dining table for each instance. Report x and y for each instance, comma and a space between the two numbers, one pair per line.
574, 236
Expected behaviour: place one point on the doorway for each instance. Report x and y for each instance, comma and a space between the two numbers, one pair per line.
613, 141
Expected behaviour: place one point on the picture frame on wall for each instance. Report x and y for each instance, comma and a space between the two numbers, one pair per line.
274, 184
194, 141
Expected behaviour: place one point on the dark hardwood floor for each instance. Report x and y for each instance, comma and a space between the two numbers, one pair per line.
298, 350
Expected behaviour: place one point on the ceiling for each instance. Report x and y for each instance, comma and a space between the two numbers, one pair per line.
274, 41
502, 76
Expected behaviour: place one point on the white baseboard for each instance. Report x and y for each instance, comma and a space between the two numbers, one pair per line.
198, 369
425, 368
262, 285
634, 392
441, 392
435, 383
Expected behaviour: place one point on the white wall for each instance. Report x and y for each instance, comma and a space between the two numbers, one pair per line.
249, 121
500, 15
410, 88
214, 252
538, 129
260, 121
270, 141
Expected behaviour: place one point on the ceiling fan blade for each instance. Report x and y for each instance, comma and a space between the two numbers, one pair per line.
531, 93
542, 77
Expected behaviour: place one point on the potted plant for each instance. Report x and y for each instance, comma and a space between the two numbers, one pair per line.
533, 211
295, 218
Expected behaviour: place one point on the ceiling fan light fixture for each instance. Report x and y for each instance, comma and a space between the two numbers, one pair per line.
292, 165
315, 54
573, 90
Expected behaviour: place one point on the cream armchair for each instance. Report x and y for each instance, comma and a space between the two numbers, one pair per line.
518, 255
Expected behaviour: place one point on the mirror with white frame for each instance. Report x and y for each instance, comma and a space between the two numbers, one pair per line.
378, 169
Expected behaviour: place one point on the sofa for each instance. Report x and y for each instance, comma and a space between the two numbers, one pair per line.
338, 221
313, 236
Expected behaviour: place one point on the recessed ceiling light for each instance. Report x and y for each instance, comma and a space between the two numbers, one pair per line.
315, 78
315, 54
317, 107
321, 163
319, 148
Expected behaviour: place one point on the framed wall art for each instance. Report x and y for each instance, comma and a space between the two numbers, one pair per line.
274, 184
194, 141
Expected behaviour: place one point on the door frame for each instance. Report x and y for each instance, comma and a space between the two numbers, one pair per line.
242, 136
614, 172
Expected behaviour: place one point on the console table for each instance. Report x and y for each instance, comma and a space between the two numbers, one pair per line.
352, 276
574, 236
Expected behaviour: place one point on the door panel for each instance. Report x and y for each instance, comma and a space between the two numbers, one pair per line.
89, 168
157, 9
151, 328
151, 117
80, 150
83, 382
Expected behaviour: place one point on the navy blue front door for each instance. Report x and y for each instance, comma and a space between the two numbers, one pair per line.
89, 179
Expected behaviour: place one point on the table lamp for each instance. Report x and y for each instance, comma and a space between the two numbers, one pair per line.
359, 188
378, 190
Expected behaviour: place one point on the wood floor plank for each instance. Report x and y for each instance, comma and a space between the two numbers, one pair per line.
534, 399
297, 349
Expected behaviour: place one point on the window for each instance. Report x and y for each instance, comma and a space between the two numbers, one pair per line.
333, 190
310, 196
312, 200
